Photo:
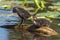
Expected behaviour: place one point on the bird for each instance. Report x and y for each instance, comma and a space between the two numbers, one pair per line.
21, 12
41, 26
41, 29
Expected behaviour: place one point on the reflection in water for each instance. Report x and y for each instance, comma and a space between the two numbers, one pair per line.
3, 34
9, 34
8, 19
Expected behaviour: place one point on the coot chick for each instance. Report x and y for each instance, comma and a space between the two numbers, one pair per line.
21, 12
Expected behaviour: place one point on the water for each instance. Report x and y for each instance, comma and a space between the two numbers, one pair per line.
8, 34
9, 18
3, 34
13, 34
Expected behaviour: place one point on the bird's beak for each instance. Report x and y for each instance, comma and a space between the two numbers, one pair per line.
48, 30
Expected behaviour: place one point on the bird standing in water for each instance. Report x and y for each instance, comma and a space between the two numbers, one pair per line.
23, 14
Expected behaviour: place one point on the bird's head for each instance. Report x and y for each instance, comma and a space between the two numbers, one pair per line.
15, 9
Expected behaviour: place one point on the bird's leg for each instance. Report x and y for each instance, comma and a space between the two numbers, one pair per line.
23, 30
